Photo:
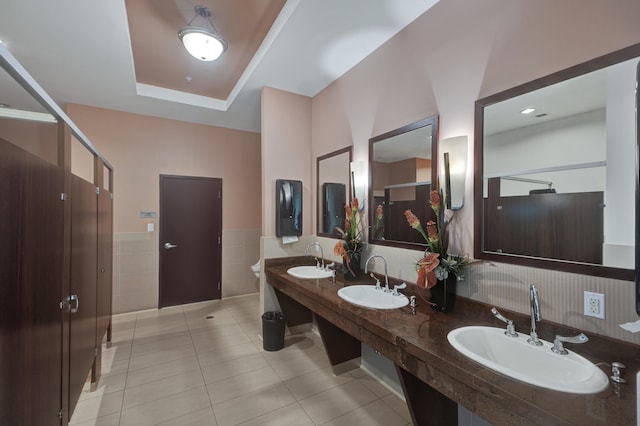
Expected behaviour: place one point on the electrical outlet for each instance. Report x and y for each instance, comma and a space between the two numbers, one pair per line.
594, 304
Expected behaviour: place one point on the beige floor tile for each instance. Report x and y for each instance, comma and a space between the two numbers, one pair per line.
231, 352
115, 367
337, 401
241, 384
215, 331
301, 364
220, 342
94, 408
398, 405
234, 367
106, 384
202, 417
156, 344
166, 409
161, 371
375, 414
117, 352
253, 329
159, 331
375, 386
161, 356
290, 415
315, 382
108, 420
252, 405
162, 388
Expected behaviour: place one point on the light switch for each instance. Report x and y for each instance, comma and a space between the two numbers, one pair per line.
150, 227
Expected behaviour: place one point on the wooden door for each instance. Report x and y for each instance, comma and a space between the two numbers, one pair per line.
84, 258
31, 226
190, 239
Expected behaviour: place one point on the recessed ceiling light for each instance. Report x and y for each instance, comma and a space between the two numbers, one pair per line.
527, 111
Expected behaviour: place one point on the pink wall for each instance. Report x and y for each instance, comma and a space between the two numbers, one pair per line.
140, 148
286, 152
460, 51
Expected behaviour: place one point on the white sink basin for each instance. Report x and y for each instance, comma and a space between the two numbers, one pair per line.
369, 297
536, 365
309, 272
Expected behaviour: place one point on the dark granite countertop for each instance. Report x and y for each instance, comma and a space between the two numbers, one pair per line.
418, 343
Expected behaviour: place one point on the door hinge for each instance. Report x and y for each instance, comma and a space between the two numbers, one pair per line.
95, 352
111, 195
60, 414
63, 196
219, 286
97, 190
219, 240
219, 195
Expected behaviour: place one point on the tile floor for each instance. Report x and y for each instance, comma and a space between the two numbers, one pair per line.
175, 366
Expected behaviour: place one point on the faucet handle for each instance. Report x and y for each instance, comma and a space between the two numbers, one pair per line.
559, 348
617, 371
377, 281
511, 329
398, 287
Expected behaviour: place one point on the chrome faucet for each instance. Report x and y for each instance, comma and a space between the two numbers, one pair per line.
511, 329
558, 347
317, 244
535, 315
386, 275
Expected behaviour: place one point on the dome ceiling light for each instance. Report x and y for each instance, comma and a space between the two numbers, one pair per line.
202, 42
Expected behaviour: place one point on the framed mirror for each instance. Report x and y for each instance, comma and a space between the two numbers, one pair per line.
402, 169
555, 170
333, 190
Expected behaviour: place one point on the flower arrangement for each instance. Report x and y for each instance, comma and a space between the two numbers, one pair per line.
378, 227
436, 264
350, 246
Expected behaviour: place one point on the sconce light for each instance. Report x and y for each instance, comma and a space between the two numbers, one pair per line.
202, 42
359, 181
453, 170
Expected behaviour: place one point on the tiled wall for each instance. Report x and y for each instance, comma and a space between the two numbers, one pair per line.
135, 267
507, 286
240, 250
135, 271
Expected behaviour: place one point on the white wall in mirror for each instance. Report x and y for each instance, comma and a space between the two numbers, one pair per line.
581, 138
619, 218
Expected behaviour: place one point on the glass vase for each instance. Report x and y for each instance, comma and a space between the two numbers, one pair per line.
443, 294
354, 273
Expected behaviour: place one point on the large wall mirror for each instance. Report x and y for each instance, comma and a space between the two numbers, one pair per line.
402, 169
555, 170
333, 190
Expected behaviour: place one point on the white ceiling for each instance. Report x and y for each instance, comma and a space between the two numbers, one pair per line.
80, 52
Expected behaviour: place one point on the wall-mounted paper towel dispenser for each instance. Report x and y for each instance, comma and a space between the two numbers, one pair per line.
288, 208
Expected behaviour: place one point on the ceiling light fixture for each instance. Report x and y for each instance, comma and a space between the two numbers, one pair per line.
201, 42
527, 111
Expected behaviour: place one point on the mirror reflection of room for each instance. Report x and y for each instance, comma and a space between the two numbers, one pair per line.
402, 170
564, 156
333, 191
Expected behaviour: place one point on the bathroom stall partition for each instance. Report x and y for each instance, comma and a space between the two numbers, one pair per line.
56, 250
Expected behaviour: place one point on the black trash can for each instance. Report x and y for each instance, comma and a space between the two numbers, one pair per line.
272, 331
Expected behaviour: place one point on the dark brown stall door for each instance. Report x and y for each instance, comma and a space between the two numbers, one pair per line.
190, 239
84, 276
31, 218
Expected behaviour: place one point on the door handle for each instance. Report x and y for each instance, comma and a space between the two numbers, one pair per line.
76, 303
169, 246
